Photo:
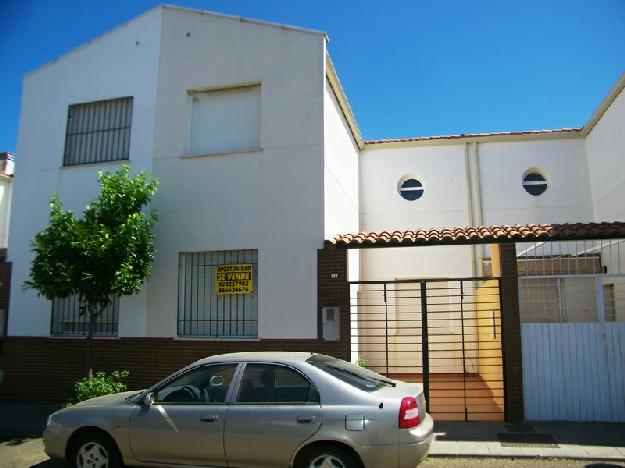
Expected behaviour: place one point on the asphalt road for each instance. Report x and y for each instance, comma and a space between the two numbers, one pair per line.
28, 452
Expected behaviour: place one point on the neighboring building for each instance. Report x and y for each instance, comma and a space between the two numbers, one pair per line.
260, 160
7, 166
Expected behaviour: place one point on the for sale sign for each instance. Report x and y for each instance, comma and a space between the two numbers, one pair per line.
234, 279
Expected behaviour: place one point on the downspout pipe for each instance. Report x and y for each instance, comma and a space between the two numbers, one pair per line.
474, 201
470, 215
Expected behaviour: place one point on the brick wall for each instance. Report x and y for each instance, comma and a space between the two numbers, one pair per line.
511, 334
333, 290
5, 289
42, 369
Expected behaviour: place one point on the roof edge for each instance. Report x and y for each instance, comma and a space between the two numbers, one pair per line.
471, 137
166, 6
335, 84
604, 105
243, 19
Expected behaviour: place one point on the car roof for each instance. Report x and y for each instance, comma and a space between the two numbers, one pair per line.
262, 356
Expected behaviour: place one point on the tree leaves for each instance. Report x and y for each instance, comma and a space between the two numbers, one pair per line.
109, 251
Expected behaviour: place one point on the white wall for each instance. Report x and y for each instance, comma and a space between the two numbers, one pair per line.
605, 146
563, 161
445, 202
441, 170
121, 63
5, 210
340, 176
270, 200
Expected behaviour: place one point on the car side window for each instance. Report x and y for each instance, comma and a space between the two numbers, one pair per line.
268, 383
202, 385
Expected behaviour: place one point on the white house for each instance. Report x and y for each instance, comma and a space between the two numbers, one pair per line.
260, 160
7, 165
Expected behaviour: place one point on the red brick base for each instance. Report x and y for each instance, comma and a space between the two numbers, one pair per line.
42, 370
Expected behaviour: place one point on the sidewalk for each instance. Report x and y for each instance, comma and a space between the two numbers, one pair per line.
595, 441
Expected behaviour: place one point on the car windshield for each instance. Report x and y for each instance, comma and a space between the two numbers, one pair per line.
352, 374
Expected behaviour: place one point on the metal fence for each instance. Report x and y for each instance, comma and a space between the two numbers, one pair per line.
98, 132
445, 333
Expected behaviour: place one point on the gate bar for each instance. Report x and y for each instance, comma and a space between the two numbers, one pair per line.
425, 356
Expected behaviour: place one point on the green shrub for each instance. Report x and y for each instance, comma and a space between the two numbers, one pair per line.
98, 385
362, 362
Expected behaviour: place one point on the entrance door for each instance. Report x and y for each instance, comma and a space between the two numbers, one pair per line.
443, 332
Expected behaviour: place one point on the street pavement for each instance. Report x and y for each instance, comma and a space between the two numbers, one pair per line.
590, 441
456, 444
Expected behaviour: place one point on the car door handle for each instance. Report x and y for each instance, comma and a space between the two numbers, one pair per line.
305, 419
209, 418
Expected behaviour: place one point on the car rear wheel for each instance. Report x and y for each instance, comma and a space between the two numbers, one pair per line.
326, 456
95, 451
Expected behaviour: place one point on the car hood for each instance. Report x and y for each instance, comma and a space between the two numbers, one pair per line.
107, 400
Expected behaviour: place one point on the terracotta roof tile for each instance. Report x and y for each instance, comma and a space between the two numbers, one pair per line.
480, 235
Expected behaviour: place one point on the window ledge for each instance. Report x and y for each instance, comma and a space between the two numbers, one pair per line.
116, 162
216, 338
222, 153
82, 337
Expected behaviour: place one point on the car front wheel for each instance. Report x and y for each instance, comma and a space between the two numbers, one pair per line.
326, 456
95, 451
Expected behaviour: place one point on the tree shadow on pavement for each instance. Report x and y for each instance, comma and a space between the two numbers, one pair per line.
17, 440
603, 465
50, 463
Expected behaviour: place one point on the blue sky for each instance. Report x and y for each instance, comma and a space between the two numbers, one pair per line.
409, 68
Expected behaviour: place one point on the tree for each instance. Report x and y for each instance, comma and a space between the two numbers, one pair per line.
109, 252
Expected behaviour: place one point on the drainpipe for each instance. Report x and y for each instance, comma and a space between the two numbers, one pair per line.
470, 220
477, 198
474, 196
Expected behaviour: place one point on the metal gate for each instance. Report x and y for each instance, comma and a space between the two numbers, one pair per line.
445, 333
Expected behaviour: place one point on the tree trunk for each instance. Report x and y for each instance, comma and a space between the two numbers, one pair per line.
93, 316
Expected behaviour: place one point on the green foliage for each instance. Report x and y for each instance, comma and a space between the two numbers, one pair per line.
107, 252
362, 362
98, 385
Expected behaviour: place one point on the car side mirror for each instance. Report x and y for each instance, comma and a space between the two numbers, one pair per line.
147, 399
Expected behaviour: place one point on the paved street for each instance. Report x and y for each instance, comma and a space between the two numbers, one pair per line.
457, 444
21, 453
516, 463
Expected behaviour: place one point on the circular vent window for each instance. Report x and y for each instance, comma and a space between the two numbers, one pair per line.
410, 188
534, 182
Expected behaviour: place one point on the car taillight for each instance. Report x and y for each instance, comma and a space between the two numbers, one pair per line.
408, 413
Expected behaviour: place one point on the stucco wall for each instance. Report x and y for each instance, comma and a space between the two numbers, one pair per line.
563, 161
270, 199
120, 63
442, 170
5, 210
340, 176
605, 146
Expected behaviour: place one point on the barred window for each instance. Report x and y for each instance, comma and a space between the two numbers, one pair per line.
98, 132
67, 319
218, 293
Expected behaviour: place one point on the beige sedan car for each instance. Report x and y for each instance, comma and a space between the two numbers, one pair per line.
251, 410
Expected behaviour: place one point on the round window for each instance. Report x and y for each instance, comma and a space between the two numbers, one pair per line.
410, 188
534, 182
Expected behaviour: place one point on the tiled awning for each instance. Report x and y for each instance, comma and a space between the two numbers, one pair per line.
479, 235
